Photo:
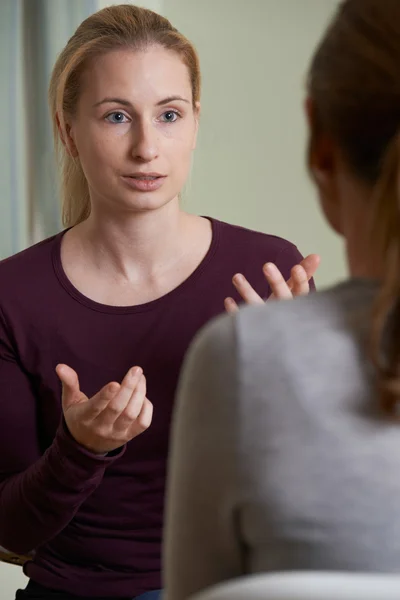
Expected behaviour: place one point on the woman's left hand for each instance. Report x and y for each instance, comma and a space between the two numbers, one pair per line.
297, 284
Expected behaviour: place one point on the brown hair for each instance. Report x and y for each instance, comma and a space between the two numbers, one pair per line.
354, 83
114, 27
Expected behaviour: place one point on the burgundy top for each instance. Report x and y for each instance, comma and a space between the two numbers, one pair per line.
96, 522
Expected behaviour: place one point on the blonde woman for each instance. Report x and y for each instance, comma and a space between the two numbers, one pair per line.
109, 307
286, 453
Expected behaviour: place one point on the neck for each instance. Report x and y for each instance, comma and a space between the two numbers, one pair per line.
361, 254
136, 245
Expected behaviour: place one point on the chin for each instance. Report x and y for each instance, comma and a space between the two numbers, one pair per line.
141, 202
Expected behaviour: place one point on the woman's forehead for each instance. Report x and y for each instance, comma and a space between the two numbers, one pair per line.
150, 74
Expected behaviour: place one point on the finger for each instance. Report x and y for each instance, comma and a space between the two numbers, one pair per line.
98, 403
133, 408
300, 287
310, 264
120, 400
71, 393
143, 420
68, 377
230, 306
279, 288
244, 288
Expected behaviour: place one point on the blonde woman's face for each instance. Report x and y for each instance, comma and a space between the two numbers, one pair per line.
135, 128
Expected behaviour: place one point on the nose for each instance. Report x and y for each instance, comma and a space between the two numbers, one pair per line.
145, 144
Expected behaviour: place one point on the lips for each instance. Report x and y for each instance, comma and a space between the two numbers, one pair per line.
145, 175
144, 182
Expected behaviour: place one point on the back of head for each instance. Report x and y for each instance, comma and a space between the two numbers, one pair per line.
116, 27
354, 83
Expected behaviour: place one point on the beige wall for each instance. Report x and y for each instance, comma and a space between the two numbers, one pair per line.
249, 164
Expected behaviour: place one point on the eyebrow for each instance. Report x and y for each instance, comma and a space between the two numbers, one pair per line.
127, 103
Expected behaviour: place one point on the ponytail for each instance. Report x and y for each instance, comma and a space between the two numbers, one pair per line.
385, 235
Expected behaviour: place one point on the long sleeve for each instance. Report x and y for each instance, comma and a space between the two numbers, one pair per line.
39, 493
202, 540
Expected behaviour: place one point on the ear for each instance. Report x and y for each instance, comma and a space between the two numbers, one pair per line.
66, 137
197, 110
323, 166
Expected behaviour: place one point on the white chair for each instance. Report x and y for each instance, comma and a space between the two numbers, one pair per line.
307, 586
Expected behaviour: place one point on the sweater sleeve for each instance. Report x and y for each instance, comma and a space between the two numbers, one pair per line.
39, 493
202, 541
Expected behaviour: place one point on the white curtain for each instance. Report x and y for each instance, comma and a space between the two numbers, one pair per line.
47, 26
13, 172
32, 33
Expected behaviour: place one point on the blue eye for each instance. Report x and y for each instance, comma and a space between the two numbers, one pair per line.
117, 117
170, 116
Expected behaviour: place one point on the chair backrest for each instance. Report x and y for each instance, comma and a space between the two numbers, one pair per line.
12, 558
307, 586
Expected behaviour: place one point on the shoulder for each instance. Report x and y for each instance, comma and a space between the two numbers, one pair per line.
280, 354
250, 239
310, 327
242, 250
246, 250
23, 272
283, 327
29, 257
282, 324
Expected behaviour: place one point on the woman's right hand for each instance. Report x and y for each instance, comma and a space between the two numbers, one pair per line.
112, 417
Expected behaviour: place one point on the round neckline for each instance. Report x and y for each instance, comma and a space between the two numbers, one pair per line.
136, 308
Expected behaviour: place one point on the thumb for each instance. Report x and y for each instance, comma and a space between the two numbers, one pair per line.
71, 393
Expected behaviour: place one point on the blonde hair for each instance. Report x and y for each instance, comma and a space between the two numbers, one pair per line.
114, 27
354, 82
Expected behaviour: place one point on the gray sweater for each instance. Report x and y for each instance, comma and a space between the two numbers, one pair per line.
280, 459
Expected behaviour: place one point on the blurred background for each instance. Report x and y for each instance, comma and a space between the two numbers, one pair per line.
249, 167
